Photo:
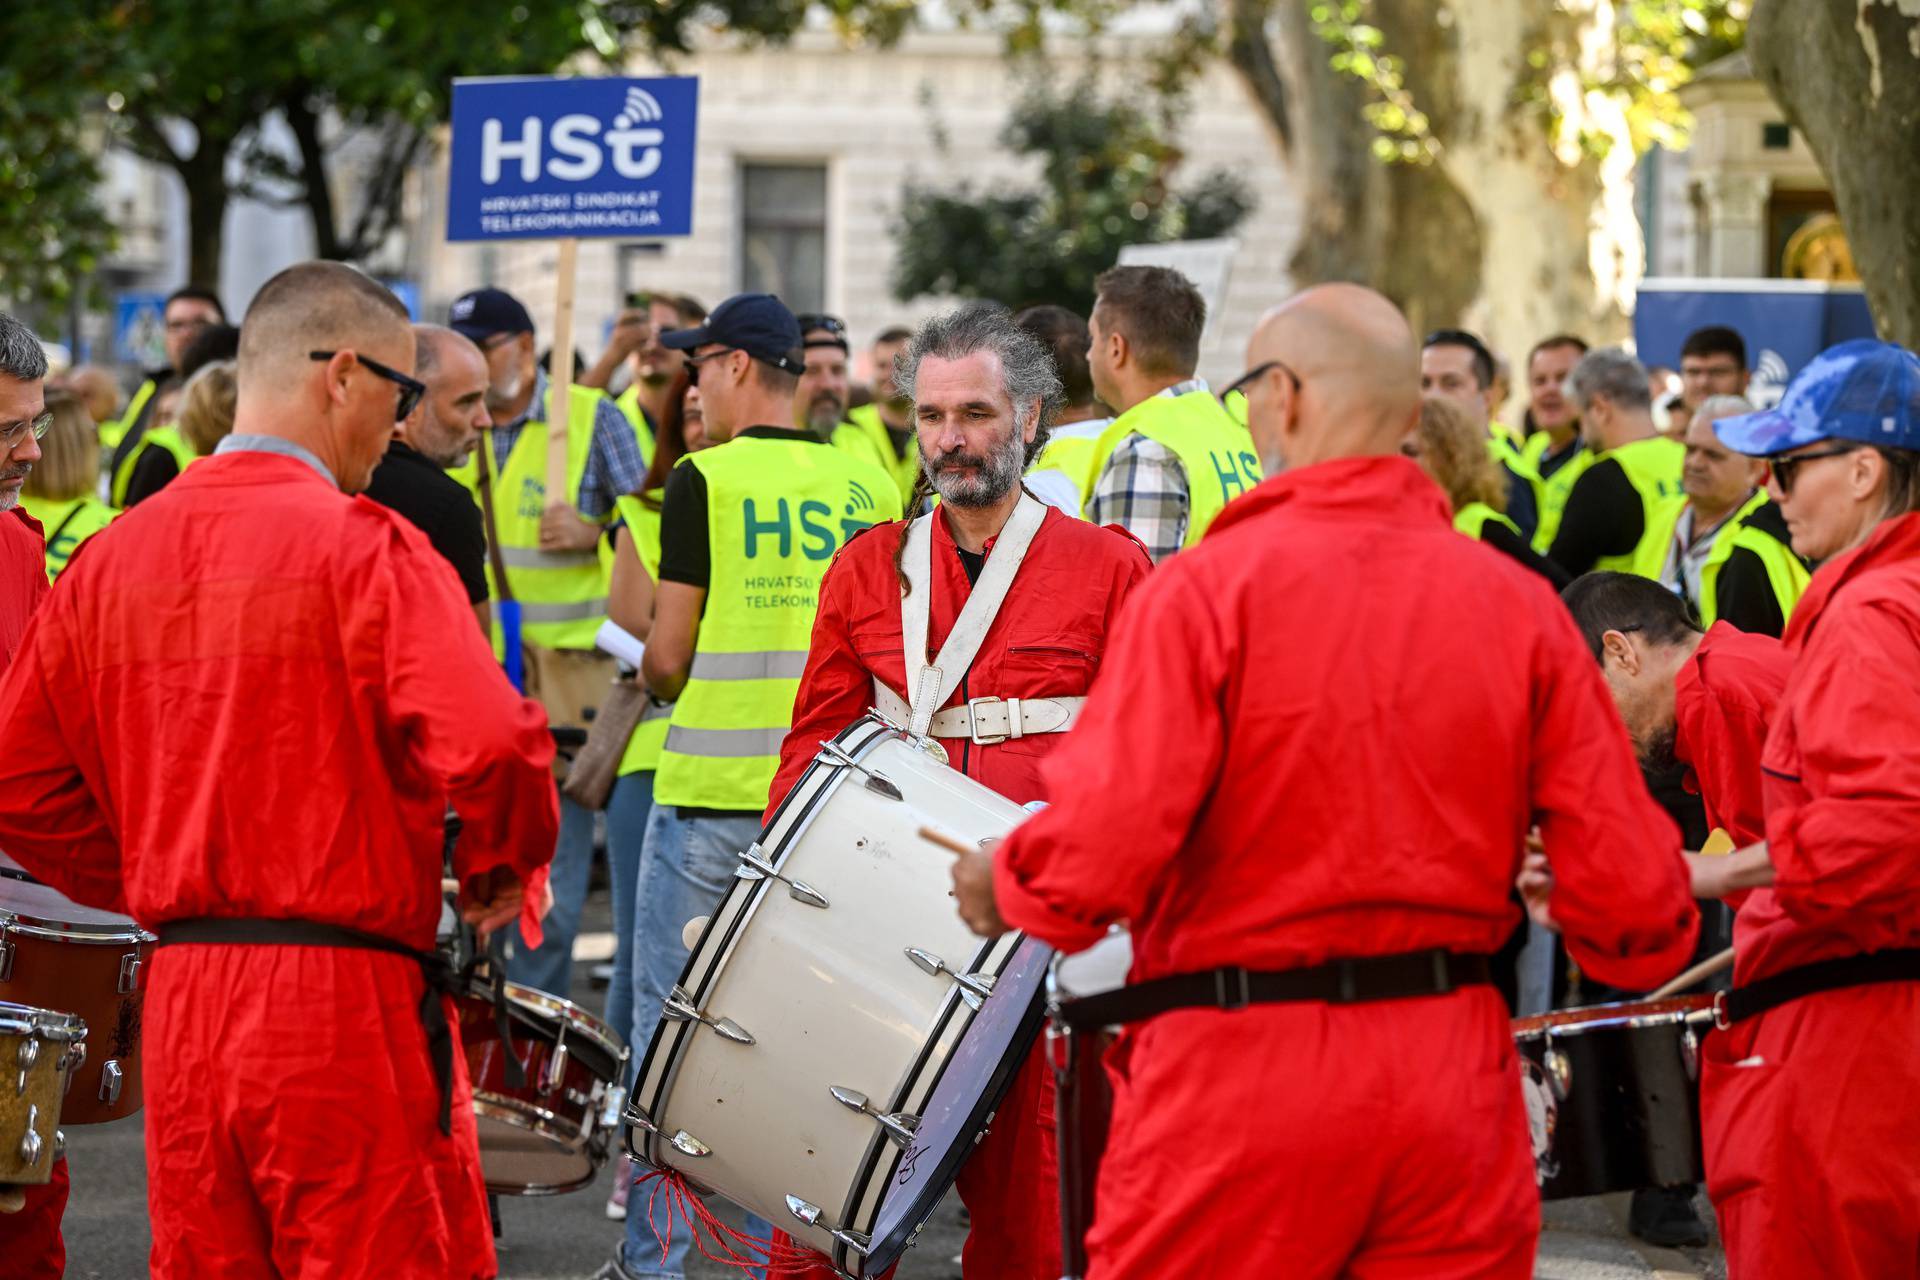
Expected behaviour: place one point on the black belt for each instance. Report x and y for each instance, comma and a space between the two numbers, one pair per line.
1396, 977
1755, 998
249, 931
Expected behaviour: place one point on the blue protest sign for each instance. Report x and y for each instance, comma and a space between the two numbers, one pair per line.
140, 329
1785, 323
555, 158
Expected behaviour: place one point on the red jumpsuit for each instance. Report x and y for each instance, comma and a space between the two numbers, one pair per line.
1811, 1128
1324, 732
1047, 640
255, 697
30, 1244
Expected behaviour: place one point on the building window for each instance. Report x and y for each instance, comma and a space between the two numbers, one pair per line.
783, 233
1776, 137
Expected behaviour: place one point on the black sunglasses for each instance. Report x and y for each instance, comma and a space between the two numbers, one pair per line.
1258, 372
410, 389
1786, 469
821, 320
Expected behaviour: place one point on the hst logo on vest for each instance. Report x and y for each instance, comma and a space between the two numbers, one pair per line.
773, 531
556, 157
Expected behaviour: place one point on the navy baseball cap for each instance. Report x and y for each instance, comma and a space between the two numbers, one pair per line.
756, 323
1861, 390
484, 313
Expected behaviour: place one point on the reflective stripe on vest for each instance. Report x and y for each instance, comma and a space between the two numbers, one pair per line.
650, 735
1474, 518
112, 433
1550, 491
777, 511
562, 595
1215, 452
1652, 467
155, 438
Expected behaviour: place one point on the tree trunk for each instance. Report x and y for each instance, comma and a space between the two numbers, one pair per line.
205, 176
316, 190
1847, 73
1506, 232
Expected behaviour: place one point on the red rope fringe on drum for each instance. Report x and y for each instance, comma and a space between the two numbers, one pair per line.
736, 1248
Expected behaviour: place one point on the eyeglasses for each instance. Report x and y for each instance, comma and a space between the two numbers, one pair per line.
410, 389
1258, 372
1786, 469
820, 320
11, 434
695, 361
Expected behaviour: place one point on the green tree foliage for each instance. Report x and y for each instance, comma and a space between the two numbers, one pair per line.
1106, 171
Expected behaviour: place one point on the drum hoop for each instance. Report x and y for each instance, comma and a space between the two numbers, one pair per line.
563, 1010
493, 1110
69, 931
532, 1119
917, 1087
1623, 1021
711, 960
46, 1024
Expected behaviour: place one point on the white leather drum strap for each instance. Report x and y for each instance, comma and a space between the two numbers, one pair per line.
930, 684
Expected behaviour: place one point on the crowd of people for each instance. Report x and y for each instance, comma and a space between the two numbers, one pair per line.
1312, 726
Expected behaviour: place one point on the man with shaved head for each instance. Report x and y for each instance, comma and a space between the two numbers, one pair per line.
1366, 712
440, 433
241, 718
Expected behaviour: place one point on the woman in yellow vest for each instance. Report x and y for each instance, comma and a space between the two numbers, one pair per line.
636, 567
59, 491
1451, 448
205, 415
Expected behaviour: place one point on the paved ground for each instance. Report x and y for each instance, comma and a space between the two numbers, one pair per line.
568, 1237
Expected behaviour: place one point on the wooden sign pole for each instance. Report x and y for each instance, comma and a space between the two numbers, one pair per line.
560, 378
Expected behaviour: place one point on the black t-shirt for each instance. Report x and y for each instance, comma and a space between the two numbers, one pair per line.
685, 553
1602, 518
1743, 594
440, 507
1509, 543
153, 471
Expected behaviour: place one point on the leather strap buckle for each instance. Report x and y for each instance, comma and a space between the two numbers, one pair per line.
1231, 988
1720, 1018
973, 721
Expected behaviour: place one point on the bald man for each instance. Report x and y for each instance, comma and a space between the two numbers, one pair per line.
1366, 713
241, 720
440, 433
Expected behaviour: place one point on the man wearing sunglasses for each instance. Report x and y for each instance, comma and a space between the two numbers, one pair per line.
241, 720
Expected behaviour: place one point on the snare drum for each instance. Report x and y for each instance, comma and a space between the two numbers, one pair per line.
1082, 1095
550, 1133
838, 1039
57, 954
1612, 1095
39, 1049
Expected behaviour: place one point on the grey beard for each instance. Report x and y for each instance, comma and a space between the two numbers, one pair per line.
998, 476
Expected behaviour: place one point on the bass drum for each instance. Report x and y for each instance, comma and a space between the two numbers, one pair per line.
1613, 1095
838, 1040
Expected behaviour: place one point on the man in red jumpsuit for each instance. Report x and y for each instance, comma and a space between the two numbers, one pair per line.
1035, 661
30, 1244
1305, 778
240, 719
1810, 1127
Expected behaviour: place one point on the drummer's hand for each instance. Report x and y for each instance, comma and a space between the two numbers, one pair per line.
973, 887
1535, 883
491, 901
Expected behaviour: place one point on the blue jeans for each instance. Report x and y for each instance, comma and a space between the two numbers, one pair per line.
685, 867
549, 966
627, 810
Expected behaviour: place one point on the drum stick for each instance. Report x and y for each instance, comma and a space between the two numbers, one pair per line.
946, 841
1699, 973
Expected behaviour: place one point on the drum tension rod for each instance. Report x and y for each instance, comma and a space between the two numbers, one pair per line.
878, 783
754, 865
974, 987
899, 1126
679, 1007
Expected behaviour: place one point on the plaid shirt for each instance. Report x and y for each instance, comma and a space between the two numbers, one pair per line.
1143, 489
614, 465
